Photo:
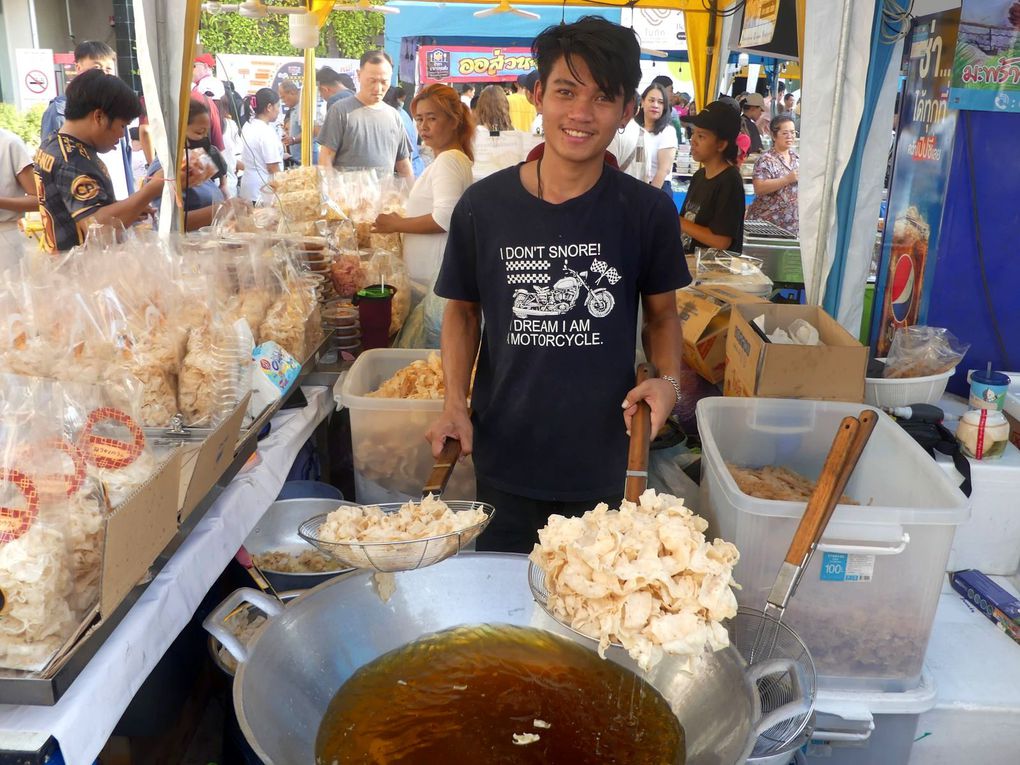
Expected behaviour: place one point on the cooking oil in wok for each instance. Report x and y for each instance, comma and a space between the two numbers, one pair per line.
460, 697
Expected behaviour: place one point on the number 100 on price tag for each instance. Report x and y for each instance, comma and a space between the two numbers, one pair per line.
844, 567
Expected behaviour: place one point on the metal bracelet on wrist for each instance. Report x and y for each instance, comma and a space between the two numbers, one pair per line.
676, 389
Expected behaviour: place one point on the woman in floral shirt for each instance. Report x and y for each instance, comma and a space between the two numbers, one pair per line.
775, 179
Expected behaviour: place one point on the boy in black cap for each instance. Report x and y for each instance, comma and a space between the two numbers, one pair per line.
713, 212
557, 255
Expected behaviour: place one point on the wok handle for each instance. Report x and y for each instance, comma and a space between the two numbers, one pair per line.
824, 498
215, 622
442, 469
640, 442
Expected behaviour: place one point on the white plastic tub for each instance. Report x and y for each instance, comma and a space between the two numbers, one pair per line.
866, 602
868, 728
883, 392
392, 460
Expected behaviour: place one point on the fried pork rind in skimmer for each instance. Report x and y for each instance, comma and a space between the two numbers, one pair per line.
643, 576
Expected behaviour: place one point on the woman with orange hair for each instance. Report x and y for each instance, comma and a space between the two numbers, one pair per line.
446, 126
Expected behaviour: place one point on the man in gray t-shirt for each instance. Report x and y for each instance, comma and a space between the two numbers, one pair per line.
363, 131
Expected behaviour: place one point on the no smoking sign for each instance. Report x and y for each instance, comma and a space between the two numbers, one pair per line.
37, 81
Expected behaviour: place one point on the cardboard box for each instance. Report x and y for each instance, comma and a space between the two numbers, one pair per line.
833, 371
203, 462
705, 318
137, 531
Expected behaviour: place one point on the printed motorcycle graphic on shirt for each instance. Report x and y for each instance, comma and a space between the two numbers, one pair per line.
563, 295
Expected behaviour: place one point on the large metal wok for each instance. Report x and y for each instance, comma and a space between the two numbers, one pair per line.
306, 651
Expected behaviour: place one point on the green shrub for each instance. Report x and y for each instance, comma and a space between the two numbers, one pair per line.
344, 35
26, 125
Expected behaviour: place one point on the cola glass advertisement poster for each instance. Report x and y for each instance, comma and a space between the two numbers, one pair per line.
917, 191
986, 75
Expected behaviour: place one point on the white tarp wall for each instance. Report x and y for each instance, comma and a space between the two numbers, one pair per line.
159, 38
838, 40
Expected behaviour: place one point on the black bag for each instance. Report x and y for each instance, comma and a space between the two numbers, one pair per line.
935, 437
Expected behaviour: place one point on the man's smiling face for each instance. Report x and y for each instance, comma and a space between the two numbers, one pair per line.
579, 119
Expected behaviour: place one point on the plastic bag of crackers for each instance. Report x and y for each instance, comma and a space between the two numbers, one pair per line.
52, 514
292, 321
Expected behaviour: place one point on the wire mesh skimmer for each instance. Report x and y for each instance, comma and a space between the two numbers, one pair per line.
389, 557
785, 682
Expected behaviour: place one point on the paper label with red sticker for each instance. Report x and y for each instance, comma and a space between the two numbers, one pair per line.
111, 453
15, 521
58, 484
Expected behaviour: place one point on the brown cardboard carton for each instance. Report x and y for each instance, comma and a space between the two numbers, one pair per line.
705, 318
833, 371
203, 463
137, 531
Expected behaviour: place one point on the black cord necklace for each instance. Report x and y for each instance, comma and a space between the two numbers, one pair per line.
538, 173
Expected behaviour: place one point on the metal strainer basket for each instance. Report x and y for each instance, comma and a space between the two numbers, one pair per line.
785, 682
536, 581
390, 557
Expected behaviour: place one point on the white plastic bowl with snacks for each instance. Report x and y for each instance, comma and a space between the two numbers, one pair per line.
902, 391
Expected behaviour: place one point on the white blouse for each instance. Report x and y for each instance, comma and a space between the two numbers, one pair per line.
435, 193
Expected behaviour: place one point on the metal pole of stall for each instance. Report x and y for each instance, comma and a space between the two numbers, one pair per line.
309, 98
710, 52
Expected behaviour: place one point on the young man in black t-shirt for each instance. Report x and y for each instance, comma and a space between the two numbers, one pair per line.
559, 297
73, 184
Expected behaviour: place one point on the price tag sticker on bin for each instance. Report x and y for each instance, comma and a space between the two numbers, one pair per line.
847, 567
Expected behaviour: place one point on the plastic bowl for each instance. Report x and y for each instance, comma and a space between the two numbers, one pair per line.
885, 392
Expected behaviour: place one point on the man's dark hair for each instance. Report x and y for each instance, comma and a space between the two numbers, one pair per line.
95, 89
376, 57
327, 76
93, 49
611, 52
347, 81
664, 81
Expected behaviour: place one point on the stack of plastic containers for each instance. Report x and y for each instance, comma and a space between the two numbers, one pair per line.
341, 318
866, 603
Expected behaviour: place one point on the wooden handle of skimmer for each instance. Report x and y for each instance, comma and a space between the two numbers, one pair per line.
817, 513
442, 469
640, 441
868, 420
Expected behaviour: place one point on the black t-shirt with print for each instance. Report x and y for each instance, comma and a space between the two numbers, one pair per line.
72, 183
717, 203
559, 288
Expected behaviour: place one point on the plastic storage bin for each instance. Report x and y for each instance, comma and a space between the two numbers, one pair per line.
866, 602
868, 728
392, 460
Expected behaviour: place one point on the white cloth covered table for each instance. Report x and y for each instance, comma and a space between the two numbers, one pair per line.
85, 716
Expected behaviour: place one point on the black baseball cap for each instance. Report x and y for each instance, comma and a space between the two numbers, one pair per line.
718, 117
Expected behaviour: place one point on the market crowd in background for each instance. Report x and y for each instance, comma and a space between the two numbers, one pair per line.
96, 161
